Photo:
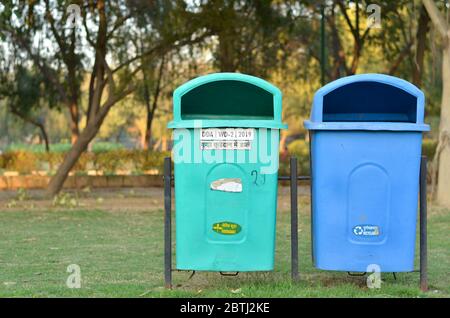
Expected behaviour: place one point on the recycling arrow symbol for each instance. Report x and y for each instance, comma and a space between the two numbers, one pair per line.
358, 230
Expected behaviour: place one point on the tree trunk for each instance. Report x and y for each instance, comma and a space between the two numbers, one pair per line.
36, 123
148, 123
74, 119
164, 143
44, 137
97, 113
156, 145
357, 51
358, 39
151, 108
226, 54
284, 135
401, 57
339, 62
443, 159
421, 38
148, 130
86, 136
6, 121
57, 182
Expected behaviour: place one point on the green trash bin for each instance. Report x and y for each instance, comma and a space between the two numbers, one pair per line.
225, 153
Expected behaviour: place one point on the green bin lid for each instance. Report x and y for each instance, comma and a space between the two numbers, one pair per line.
227, 100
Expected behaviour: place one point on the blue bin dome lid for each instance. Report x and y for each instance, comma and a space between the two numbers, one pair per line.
227, 100
368, 102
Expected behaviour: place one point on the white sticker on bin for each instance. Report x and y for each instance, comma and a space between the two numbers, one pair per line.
366, 230
229, 134
225, 145
226, 138
227, 185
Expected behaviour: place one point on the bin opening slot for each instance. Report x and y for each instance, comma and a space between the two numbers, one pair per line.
369, 102
227, 99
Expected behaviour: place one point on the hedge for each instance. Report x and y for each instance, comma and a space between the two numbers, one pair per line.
139, 161
300, 149
136, 161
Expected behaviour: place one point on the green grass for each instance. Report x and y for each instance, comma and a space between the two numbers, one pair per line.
121, 255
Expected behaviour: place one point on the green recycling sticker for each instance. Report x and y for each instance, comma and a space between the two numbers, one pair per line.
226, 228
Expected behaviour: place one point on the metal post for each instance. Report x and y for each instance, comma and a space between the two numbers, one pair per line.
322, 45
167, 223
294, 220
423, 225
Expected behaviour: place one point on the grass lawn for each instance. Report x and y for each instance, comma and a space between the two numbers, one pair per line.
120, 255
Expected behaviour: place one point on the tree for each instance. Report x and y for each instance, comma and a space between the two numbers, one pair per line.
151, 91
441, 160
59, 64
108, 85
358, 34
351, 35
152, 70
22, 92
251, 36
25, 98
254, 37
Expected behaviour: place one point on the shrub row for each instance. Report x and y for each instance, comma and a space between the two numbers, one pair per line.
429, 148
97, 146
138, 161
300, 149
135, 161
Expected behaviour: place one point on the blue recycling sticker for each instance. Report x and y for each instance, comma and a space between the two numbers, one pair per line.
366, 230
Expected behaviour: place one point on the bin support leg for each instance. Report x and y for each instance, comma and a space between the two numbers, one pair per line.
423, 226
167, 223
294, 221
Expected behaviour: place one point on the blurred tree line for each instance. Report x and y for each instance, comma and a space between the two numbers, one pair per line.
108, 69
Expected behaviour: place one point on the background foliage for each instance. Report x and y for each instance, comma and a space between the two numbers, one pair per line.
45, 67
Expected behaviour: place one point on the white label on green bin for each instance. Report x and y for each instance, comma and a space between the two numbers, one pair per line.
228, 134
226, 145
366, 230
226, 138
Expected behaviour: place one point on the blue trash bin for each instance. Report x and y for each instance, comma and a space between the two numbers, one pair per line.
366, 135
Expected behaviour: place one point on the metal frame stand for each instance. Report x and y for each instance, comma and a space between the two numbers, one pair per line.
294, 220
168, 223
423, 225
293, 179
